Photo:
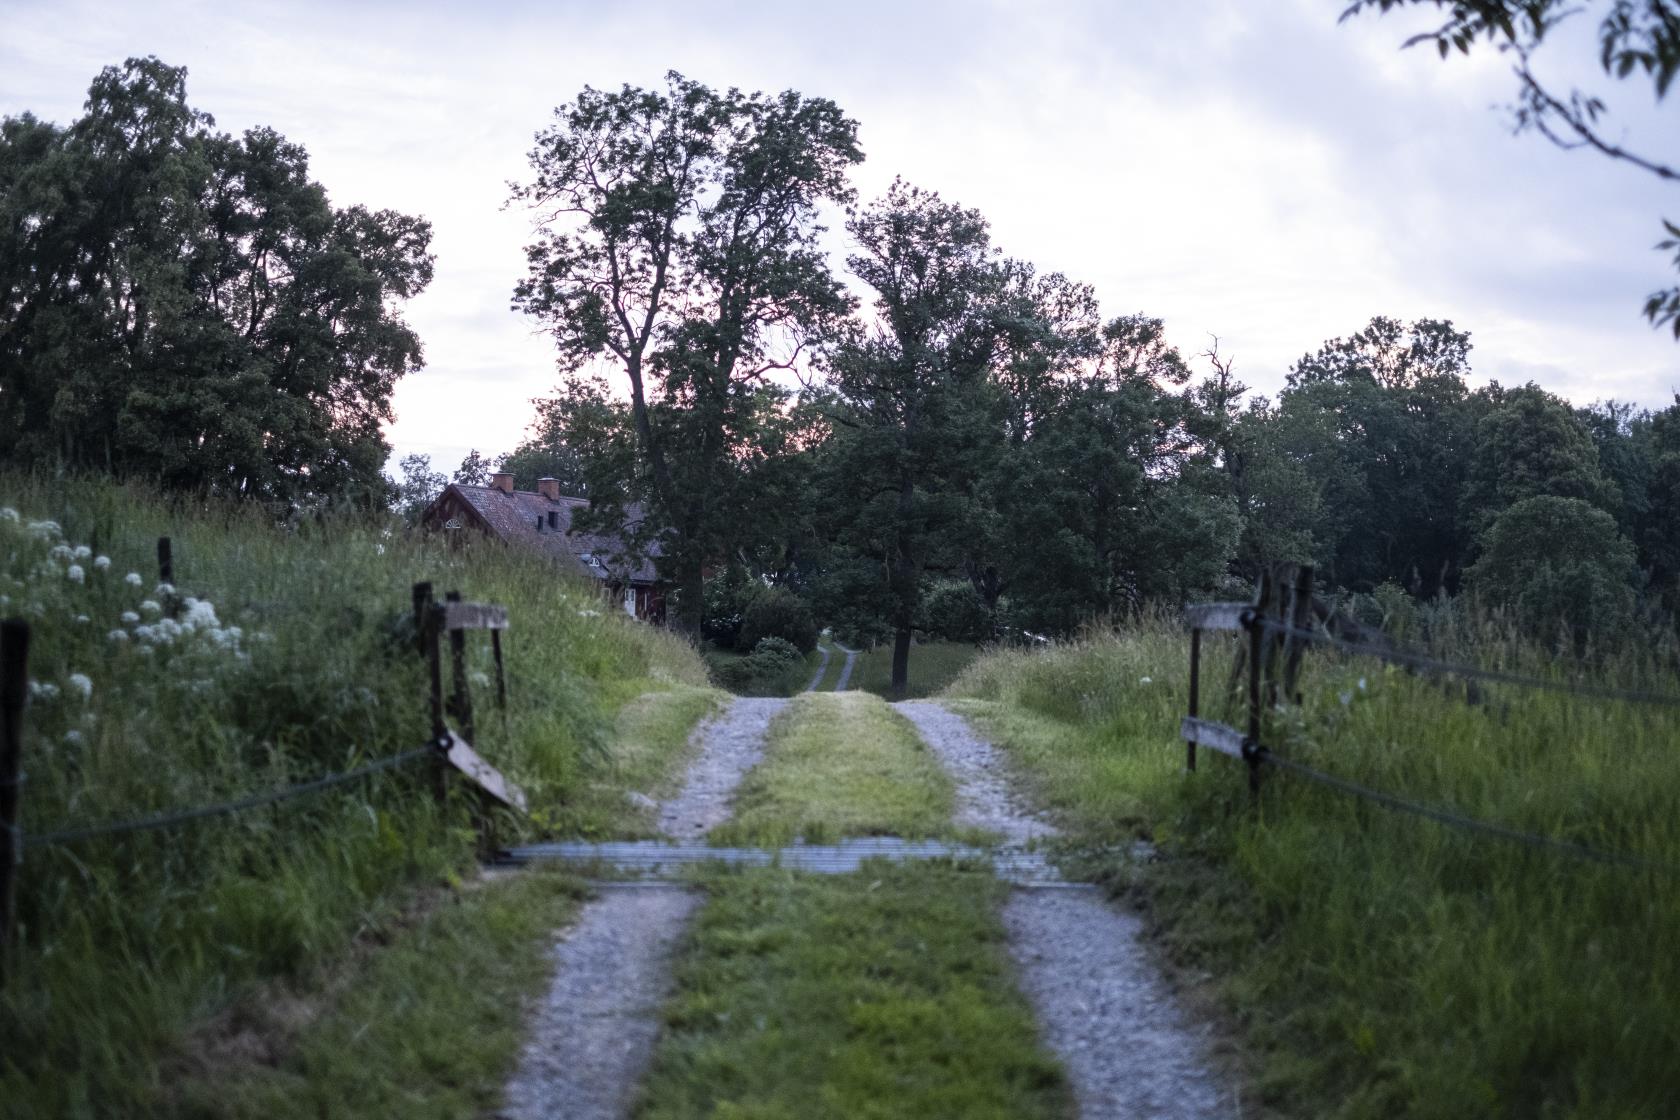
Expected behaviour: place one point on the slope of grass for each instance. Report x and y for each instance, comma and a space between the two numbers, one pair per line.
1385, 965
933, 666
425, 1022
295, 659
836, 765
885, 994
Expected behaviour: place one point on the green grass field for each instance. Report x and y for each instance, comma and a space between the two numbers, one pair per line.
296, 660
933, 666
1382, 965
837, 765
885, 994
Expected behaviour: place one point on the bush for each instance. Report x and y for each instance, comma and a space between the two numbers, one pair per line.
775, 667
952, 610
727, 598
778, 613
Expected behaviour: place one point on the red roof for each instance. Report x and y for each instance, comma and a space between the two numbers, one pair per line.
530, 520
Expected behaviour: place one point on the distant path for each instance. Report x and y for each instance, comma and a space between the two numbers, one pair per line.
846, 669
590, 1041
822, 667
1105, 1010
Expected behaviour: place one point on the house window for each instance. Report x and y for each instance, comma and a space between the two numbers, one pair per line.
553, 519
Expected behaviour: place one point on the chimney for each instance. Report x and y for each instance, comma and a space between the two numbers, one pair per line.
549, 488
502, 481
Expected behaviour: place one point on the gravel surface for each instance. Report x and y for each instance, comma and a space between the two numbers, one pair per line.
984, 799
730, 744
822, 667
846, 669
590, 1041
593, 1035
1105, 1010
1107, 1014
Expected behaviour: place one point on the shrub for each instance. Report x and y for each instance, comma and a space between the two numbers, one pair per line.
778, 613
952, 610
727, 598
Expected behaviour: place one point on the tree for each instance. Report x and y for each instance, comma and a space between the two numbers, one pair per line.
1659, 525
1560, 566
1532, 444
187, 306
678, 236
414, 491
907, 393
475, 470
1634, 37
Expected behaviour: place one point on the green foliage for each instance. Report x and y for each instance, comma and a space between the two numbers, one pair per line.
775, 667
840, 764
882, 994
700, 209
728, 595
1560, 566
1532, 444
933, 665
292, 658
368, 1046
1381, 965
776, 612
953, 611
185, 306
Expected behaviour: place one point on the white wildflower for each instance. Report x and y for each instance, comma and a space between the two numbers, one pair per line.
130, 617
133, 579
144, 650
150, 606
101, 563
82, 620
80, 684
72, 738
164, 590
1362, 684
1145, 680
145, 633
83, 552
60, 552
76, 574
168, 628
589, 614
7, 513
1345, 697
200, 615
479, 678
45, 530
44, 691
118, 636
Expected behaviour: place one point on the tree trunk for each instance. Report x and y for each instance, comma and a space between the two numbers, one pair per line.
901, 661
903, 585
691, 603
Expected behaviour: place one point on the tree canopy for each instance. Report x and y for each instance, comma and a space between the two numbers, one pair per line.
187, 306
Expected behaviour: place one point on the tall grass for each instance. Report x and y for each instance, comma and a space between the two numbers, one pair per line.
294, 660
1386, 965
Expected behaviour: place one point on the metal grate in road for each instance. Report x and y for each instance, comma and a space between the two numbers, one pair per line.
657, 859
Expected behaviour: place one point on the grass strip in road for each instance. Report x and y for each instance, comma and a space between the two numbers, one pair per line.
933, 666
876, 996
424, 1020
837, 765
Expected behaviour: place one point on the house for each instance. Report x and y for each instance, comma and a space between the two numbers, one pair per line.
542, 522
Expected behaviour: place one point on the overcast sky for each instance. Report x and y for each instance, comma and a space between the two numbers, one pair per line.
1242, 168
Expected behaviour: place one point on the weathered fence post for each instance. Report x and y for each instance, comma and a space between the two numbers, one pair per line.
1195, 693
501, 674
430, 636
461, 700
1300, 618
1256, 623
422, 608
14, 692
166, 562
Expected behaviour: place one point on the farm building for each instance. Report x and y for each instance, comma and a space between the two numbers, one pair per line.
542, 521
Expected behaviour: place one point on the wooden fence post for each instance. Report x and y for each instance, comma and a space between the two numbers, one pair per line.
1256, 654
14, 692
1195, 693
1300, 618
501, 674
166, 562
422, 610
461, 700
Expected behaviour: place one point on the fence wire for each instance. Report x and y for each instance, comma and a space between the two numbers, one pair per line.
1459, 820
1471, 672
71, 835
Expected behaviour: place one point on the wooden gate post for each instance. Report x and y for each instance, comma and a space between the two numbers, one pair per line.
14, 692
422, 610
1300, 618
461, 699
1257, 636
166, 562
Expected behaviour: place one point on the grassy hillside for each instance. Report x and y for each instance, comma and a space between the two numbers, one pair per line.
1384, 965
292, 658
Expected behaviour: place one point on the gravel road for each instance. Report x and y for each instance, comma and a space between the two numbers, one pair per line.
591, 1039
730, 744
1105, 1010
846, 669
822, 667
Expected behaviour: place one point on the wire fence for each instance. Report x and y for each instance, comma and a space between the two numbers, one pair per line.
1290, 597
75, 833
1468, 672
